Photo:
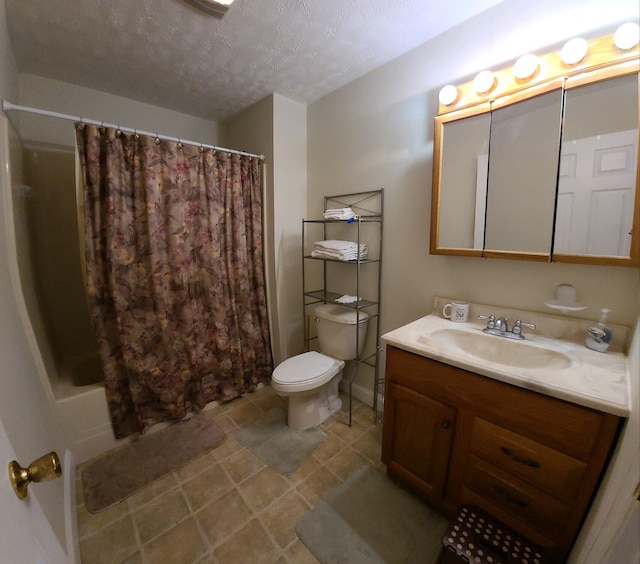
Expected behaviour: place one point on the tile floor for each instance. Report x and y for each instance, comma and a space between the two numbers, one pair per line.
228, 506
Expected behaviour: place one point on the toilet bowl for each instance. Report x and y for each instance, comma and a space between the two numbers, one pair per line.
310, 381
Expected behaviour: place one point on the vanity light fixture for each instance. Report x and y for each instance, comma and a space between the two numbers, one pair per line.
574, 51
484, 82
627, 36
576, 56
526, 66
448, 95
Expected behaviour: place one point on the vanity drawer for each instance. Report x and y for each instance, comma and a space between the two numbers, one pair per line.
524, 502
533, 462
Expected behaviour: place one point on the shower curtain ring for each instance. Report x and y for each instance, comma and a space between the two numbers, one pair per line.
135, 135
179, 145
201, 148
157, 140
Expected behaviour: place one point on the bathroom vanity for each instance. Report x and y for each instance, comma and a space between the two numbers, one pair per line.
527, 444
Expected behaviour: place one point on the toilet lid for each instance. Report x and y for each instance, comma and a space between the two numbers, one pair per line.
303, 367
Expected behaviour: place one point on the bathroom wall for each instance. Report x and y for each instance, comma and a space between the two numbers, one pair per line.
378, 132
277, 127
62, 97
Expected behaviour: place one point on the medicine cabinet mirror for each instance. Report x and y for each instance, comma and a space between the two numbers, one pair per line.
546, 172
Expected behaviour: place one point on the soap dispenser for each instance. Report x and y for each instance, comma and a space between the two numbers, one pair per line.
599, 337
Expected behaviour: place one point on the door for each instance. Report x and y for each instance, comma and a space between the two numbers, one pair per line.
417, 443
596, 190
33, 530
25, 534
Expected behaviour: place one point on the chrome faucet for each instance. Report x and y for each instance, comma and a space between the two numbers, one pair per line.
500, 327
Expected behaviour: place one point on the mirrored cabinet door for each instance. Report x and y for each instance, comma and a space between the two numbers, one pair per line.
523, 170
598, 182
463, 147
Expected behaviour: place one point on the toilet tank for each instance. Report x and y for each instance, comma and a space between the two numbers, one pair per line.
337, 330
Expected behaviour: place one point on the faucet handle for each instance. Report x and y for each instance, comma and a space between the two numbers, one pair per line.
517, 327
491, 323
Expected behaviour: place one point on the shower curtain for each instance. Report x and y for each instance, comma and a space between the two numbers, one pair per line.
175, 274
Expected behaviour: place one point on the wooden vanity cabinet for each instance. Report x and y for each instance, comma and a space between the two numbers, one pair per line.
421, 425
532, 461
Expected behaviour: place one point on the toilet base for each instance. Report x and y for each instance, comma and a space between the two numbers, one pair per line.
310, 410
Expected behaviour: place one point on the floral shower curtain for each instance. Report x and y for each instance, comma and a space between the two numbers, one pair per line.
175, 274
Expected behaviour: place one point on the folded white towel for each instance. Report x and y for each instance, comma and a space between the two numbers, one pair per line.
339, 213
339, 250
335, 256
336, 245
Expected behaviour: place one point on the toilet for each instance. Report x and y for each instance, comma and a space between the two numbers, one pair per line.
310, 380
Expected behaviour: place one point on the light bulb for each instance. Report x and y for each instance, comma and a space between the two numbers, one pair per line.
574, 51
483, 82
627, 36
448, 95
526, 66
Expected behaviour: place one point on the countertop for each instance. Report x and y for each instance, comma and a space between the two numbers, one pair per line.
593, 379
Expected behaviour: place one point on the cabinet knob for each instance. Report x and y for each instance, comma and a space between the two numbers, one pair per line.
446, 424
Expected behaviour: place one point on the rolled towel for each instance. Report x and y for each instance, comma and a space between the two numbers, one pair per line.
346, 299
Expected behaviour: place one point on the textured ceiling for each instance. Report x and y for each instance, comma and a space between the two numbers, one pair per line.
167, 53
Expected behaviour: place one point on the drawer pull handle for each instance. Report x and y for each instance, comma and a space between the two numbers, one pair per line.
508, 497
446, 424
529, 463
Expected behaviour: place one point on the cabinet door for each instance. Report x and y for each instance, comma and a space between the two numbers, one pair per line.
417, 437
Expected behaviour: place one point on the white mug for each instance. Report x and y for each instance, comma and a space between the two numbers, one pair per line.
458, 311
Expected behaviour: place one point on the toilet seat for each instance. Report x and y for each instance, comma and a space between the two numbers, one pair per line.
305, 371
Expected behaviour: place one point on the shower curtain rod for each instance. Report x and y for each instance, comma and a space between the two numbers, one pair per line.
6, 105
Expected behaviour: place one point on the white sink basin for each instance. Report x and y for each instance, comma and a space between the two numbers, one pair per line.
500, 350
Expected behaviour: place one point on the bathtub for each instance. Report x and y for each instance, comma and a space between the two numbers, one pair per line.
84, 370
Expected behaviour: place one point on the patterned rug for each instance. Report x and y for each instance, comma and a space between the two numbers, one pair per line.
371, 520
120, 473
276, 444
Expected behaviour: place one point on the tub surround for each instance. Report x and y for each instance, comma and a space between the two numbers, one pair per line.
596, 380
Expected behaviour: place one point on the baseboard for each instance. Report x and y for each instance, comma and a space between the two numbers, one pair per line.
70, 517
365, 395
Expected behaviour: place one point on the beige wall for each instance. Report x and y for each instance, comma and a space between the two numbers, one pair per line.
290, 203
378, 131
62, 97
8, 68
277, 128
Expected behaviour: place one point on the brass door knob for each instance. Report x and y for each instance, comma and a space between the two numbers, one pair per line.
47, 467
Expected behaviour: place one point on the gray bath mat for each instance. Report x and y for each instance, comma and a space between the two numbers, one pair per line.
276, 444
369, 519
122, 472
